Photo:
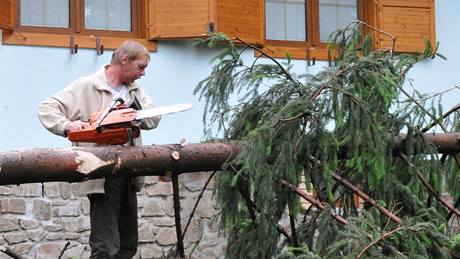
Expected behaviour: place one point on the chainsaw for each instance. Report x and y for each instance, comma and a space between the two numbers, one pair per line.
120, 122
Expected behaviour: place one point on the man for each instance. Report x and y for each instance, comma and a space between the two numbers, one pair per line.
113, 201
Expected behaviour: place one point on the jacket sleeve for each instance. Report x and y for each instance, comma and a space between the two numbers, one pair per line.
59, 110
147, 103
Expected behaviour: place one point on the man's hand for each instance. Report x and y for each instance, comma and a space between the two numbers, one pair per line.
76, 125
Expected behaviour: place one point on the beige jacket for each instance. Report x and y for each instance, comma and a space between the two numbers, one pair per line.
78, 101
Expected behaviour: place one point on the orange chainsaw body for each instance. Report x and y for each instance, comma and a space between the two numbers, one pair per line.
118, 127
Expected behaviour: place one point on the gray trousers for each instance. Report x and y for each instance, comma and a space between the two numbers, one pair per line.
114, 220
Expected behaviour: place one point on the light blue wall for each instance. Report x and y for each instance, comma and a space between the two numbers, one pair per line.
31, 74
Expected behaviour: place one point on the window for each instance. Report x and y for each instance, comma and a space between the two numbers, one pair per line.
303, 27
307, 22
286, 20
60, 22
108, 15
90, 17
44, 13
334, 15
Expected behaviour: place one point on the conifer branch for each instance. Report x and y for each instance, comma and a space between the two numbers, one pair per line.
295, 239
244, 191
384, 236
428, 186
435, 120
393, 38
285, 72
314, 202
438, 120
366, 198
252, 208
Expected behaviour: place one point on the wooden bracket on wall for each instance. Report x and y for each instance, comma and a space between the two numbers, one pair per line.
73, 46
310, 61
99, 47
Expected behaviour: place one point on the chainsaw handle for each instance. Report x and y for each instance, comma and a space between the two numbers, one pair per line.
107, 110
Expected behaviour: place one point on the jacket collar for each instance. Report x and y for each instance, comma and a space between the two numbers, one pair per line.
100, 80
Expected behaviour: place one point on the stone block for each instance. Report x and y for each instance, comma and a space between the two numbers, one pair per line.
8, 224
36, 235
28, 190
59, 202
141, 199
71, 236
52, 190
6, 190
69, 211
15, 237
169, 206
150, 179
54, 212
28, 223
153, 207
76, 225
49, 250
194, 182
166, 236
187, 204
54, 236
22, 248
163, 221
54, 225
147, 233
66, 190
84, 239
41, 208
206, 208
84, 204
194, 231
13, 205
151, 251
159, 189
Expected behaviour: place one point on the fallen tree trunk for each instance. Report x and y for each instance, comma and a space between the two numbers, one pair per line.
79, 164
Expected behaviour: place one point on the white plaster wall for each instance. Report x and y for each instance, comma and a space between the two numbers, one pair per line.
30, 74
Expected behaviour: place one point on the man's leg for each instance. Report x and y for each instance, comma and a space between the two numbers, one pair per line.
105, 208
127, 226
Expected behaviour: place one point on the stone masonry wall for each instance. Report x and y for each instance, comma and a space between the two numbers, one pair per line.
38, 220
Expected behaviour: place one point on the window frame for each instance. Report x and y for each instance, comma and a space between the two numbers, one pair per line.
77, 22
80, 22
309, 19
85, 38
299, 49
43, 29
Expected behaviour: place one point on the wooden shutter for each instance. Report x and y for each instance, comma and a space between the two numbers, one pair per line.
410, 21
241, 18
178, 18
6, 14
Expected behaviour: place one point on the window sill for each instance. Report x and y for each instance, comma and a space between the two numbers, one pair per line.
318, 53
61, 40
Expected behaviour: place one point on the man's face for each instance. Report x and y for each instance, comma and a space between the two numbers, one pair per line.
133, 70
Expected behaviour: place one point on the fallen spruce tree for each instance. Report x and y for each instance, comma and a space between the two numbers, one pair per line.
336, 130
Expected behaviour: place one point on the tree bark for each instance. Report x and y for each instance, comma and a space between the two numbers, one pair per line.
79, 164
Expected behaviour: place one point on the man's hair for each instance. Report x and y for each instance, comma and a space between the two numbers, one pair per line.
133, 49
